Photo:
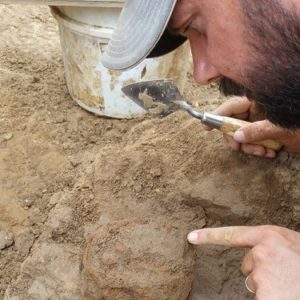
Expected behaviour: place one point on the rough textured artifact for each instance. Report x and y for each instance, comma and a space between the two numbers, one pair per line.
133, 259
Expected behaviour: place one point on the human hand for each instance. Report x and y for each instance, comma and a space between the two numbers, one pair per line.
260, 129
273, 263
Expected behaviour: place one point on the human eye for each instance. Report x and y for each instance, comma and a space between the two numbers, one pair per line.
193, 25
184, 31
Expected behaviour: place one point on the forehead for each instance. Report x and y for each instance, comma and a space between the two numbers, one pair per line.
206, 8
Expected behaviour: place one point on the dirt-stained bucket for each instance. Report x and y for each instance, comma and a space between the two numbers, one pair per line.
84, 34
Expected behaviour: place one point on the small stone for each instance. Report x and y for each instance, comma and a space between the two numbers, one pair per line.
6, 137
295, 164
297, 208
35, 79
157, 172
138, 188
6, 239
28, 203
283, 157
60, 119
75, 163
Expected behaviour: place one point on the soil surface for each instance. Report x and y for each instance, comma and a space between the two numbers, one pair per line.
95, 208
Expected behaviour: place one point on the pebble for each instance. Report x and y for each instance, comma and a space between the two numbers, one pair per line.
75, 162
297, 208
28, 202
6, 239
156, 172
6, 137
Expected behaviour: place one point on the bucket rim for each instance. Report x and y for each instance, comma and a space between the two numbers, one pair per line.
80, 27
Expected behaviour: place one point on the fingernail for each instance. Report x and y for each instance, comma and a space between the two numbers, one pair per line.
257, 153
193, 237
239, 136
271, 155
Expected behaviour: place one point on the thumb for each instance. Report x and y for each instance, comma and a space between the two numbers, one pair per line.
256, 132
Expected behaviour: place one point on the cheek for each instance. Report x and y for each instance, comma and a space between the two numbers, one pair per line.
215, 55
227, 51
226, 62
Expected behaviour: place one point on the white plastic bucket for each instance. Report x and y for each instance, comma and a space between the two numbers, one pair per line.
84, 34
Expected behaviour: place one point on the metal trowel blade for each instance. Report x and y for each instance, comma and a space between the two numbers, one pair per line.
157, 97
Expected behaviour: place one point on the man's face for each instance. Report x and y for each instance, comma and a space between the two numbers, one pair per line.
232, 40
216, 36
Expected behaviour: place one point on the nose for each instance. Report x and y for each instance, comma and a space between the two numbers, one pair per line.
204, 71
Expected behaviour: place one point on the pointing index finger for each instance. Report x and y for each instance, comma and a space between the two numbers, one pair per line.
237, 237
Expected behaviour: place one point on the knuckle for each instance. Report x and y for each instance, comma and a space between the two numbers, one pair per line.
260, 294
247, 266
235, 146
223, 235
252, 132
272, 232
258, 150
249, 132
233, 100
256, 131
232, 144
260, 254
253, 150
247, 149
257, 278
213, 235
227, 235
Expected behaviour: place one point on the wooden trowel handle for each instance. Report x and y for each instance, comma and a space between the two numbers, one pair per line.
231, 125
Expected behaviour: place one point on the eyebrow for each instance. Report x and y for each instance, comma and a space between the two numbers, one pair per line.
174, 30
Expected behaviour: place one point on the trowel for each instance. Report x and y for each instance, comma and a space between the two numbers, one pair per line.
162, 97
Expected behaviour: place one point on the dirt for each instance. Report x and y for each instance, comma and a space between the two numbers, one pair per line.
154, 108
141, 247
95, 208
146, 99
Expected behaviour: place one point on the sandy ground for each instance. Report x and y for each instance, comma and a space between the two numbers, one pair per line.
94, 208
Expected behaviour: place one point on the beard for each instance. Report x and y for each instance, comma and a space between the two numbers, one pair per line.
229, 88
278, 98
272, 73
